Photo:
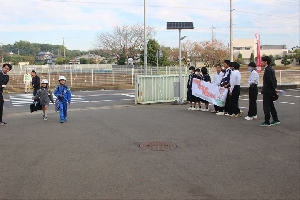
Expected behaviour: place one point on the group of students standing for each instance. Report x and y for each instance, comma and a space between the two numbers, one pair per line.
41, 93
230, 77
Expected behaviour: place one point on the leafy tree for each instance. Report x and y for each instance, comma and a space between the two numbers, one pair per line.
83, 61
122, 59
152, 48
285, 61
252, 58
240, 59
297, 56
277, 57
59, 61
272, 60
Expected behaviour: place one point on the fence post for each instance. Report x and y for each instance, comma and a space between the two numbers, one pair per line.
71, 77
132, 74
92, 77
113, 76
280, 76
49, 77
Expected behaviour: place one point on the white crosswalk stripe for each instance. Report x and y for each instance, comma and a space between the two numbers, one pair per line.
26, 99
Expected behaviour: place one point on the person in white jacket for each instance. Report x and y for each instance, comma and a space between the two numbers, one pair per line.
217, 80
27, 82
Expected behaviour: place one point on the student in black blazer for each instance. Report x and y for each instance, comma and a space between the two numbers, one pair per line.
4, 78
268, 90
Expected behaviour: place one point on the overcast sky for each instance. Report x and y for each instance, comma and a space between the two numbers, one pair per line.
79, 21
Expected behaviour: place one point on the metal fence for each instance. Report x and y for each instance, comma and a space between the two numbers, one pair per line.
98, 75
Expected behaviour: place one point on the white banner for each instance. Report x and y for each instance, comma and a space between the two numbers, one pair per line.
209, 92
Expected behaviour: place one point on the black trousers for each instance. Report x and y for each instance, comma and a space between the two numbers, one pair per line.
253, 92
268, 106
234, 100
34, 92
1, 106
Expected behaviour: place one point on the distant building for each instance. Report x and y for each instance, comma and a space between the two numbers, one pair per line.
248, 46
44, 56
90, 56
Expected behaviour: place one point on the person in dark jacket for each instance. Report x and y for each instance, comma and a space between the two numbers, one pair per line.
4, 78
36, 84
268, 90
225, 82
190, 97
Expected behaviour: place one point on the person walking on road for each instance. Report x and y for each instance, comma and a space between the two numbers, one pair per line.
35, 82
44, 95
4, 78
27, 82
63, 94
268, 91
253, 91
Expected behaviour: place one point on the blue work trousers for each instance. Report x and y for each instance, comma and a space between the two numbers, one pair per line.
63, 108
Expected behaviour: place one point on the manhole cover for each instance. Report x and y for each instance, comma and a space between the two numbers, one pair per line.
157, 146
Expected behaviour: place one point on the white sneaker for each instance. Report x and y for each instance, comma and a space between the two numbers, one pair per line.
248, 118
227, 114
220, 113
206, 110
190, 108
193, 108
254, 117
197, 108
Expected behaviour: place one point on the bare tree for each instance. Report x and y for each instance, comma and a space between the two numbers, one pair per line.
124, 39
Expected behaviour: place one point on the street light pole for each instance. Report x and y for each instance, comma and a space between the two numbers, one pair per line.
145, 39
179, 26
231, 33
180, 70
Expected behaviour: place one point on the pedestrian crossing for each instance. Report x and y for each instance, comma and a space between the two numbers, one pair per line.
18, 100
26, 99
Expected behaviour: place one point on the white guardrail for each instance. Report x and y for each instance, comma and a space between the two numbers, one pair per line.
158, 89
165, 88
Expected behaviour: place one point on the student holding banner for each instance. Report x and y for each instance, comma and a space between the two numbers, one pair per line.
217, 80
198, 99
206, 78
225, 83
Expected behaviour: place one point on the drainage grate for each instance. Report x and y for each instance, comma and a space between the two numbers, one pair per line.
157, 146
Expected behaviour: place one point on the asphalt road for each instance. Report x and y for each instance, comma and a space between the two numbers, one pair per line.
96, 154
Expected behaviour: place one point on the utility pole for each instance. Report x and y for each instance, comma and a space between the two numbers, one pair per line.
145, 38
231, 33
212, 33
64, 47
